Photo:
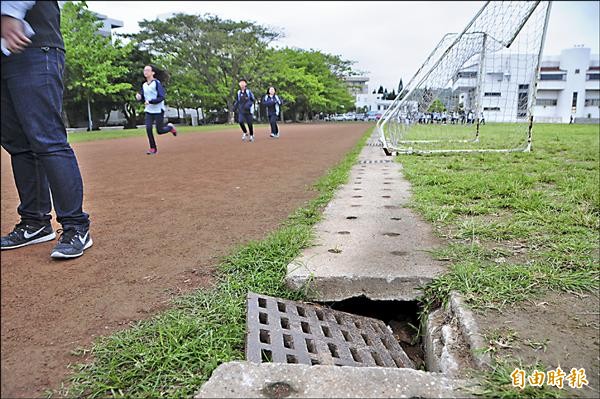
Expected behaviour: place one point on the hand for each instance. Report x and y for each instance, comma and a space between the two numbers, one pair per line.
138, 96
12, 33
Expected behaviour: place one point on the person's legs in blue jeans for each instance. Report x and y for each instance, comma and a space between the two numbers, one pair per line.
149, 122
32, 89
273, 122
161, 128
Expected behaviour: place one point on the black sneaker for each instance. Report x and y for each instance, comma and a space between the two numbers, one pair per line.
25, 234
72, 243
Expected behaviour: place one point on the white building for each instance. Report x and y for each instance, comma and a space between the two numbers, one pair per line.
357, 86
372, 102
568, 85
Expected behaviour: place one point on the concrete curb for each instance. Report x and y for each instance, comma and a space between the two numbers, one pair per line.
470, 331
277, 380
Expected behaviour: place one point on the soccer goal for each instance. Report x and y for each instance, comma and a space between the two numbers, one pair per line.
476, 90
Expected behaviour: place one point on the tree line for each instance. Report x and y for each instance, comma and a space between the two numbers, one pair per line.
204, 56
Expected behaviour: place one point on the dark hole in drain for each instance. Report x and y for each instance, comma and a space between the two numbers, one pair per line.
263, 318
355, 355
401, 316
265, 337
326, 331
319, 314
301, 311
357, 189
281, 307
313, 362
351, 217
391, 234
343, 232
305, 327
310, 345
333, 350
367, 339
285, 323
288, 341
266, 355
347, 336
357, 196
386, 196
377, 359
395, 218
387, 182
291, 359
262, 303
338, 319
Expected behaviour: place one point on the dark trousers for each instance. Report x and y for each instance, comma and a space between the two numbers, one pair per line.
246, 118
273, 122
34, 135
159, 119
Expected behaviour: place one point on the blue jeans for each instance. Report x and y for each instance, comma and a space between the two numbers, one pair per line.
246, 118
160, 127
273, 122
34, 135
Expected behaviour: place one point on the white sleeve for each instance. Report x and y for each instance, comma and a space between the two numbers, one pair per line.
16, 9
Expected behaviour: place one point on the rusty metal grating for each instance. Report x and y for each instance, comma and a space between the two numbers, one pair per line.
376, 161
283, 331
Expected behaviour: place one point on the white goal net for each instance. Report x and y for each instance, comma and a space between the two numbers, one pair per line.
476, 90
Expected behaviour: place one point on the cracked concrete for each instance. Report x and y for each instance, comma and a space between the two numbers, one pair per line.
368, 242
276, 380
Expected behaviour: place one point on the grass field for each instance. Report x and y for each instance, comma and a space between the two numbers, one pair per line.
518, 225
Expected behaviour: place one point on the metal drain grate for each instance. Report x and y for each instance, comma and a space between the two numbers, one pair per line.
283, 331
376, 161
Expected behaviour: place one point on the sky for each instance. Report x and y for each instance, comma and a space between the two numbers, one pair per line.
388, 40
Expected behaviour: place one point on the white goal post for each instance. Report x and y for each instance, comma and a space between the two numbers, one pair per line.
475, 92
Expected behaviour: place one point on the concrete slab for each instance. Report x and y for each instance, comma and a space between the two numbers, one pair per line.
271, 380
368, 243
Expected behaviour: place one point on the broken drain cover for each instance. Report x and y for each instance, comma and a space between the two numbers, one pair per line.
283, 331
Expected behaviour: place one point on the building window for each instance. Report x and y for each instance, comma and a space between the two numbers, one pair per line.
576, 71
491, 108
552, 76
545, 101
574, 102
523, 87
593, 76
591, 102
466, 74
492, 94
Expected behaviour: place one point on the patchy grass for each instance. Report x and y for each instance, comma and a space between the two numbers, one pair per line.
518, 223
173, 353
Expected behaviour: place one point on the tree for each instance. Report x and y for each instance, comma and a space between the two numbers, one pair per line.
210, 52
380, 91
92, 61
309, 82
400, 86
437, 106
